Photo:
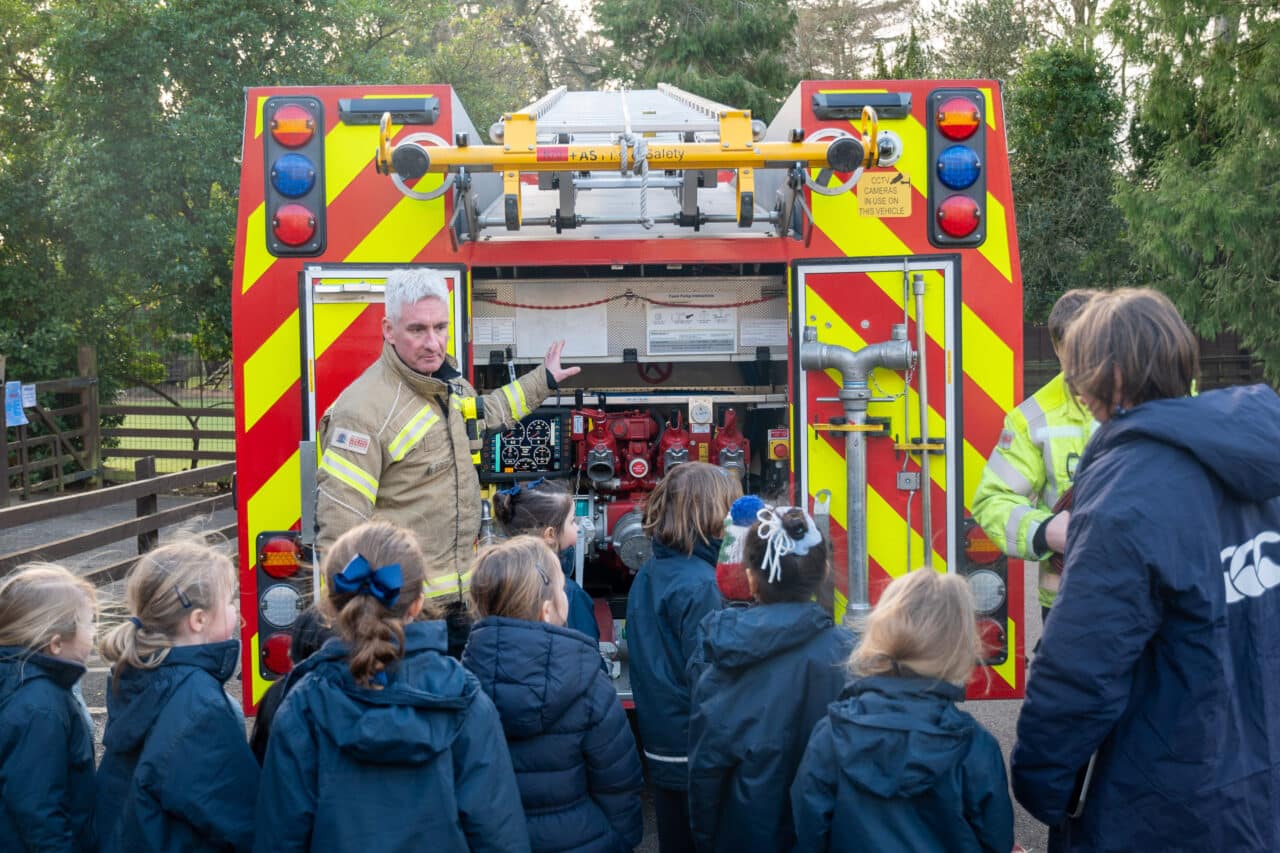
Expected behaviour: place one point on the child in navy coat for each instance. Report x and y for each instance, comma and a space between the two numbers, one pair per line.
47, 618
671, 594
574, 755
546, 509
895, 765
762, 677
383, 741
177, 773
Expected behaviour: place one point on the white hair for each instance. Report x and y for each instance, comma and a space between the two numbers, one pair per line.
408, 287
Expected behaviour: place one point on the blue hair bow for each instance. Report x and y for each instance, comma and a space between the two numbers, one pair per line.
515, 490
359, 578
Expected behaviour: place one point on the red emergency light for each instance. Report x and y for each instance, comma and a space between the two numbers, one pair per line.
275, 653
293, 225
958, 215
293, 125
978, 547
958, 118
280, 557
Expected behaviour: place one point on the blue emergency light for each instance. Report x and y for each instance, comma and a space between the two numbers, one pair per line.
958, 167
293, 175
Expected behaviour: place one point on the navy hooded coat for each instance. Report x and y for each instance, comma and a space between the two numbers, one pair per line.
582, 609
1162, 652
571, 746
418, 764
46, 755
767, 675
670, 596
177, 772
896, 766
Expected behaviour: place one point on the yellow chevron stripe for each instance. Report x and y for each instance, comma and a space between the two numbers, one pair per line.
257, 260
257, 683
996, 247
278, 503
838, 218
974, 460
330, 319
257, 117
989, 105
987, 358
935, 300
348, 150
841, 605
402, 234
1008, 670
270, 371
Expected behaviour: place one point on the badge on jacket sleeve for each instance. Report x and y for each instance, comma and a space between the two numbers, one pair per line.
1006, 439
356, 442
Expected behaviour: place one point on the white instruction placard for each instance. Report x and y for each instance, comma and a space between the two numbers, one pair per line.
683, 327
585, 331
493, 331
757, 332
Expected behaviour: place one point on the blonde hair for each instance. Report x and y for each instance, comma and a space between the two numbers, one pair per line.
41, 602
689, 505
162, 588
1130, 346
373, 632
514, 579
924, 623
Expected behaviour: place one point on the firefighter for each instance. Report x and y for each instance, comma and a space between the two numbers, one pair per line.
395, 445
1034, 463
1161, 657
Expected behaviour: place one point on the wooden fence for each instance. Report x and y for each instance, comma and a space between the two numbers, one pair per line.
194, 433
43, 451
145, 525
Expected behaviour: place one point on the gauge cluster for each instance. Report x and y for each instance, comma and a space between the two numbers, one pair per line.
536, 446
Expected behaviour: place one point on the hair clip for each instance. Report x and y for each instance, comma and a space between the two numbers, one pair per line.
182, 597
780, 543
137, 623
529, 487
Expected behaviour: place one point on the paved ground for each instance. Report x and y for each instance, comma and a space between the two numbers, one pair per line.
998, 716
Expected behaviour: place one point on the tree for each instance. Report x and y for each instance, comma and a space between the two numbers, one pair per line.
911, 59
1202, 200
839, 39
985, 38
1063, 121
731, 51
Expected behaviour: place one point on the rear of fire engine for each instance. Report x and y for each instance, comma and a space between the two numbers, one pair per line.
828, 307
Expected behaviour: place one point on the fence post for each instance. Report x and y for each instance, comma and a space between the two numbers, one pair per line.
4, 447
87, 361
145, 469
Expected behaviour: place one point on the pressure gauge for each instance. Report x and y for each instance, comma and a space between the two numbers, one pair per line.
701, 410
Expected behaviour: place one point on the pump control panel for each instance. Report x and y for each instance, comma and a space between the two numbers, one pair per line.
534, 447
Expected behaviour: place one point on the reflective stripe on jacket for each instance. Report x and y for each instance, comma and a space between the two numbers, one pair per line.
394, 446
1033, 463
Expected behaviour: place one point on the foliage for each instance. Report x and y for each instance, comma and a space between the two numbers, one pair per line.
911, 59
985, 38
840, 39
1203, 198
1063, 118
731, 51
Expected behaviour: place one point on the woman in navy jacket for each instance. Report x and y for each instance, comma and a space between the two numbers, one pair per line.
768, 673
1162, 653
383, 741
575, 759
671, 594
177, 772
46, 737
895, 765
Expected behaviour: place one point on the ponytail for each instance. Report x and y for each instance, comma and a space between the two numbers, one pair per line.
369, 600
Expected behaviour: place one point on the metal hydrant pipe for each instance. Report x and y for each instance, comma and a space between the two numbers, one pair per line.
854, 367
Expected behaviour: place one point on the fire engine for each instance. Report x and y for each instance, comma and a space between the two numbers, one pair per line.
829, 306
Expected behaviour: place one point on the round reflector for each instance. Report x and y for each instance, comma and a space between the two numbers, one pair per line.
275, 653
958, 216
978, 547
639, 467
293, 125
958, 167
958, 118
294, 175
279, 605
988, 590
992, 639
293, 225
280, 557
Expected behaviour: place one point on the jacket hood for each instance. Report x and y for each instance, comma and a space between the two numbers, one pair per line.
534, 672
707, 552
1232, 432
19, 665
738, 638
896, 736
416, 716
136, 697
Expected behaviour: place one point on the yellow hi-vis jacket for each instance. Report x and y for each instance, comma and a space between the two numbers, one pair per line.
394, 447
1032, 465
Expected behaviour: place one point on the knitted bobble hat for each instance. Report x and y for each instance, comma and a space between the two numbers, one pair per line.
731, 574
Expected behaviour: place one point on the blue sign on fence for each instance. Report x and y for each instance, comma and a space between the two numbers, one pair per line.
13, 414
